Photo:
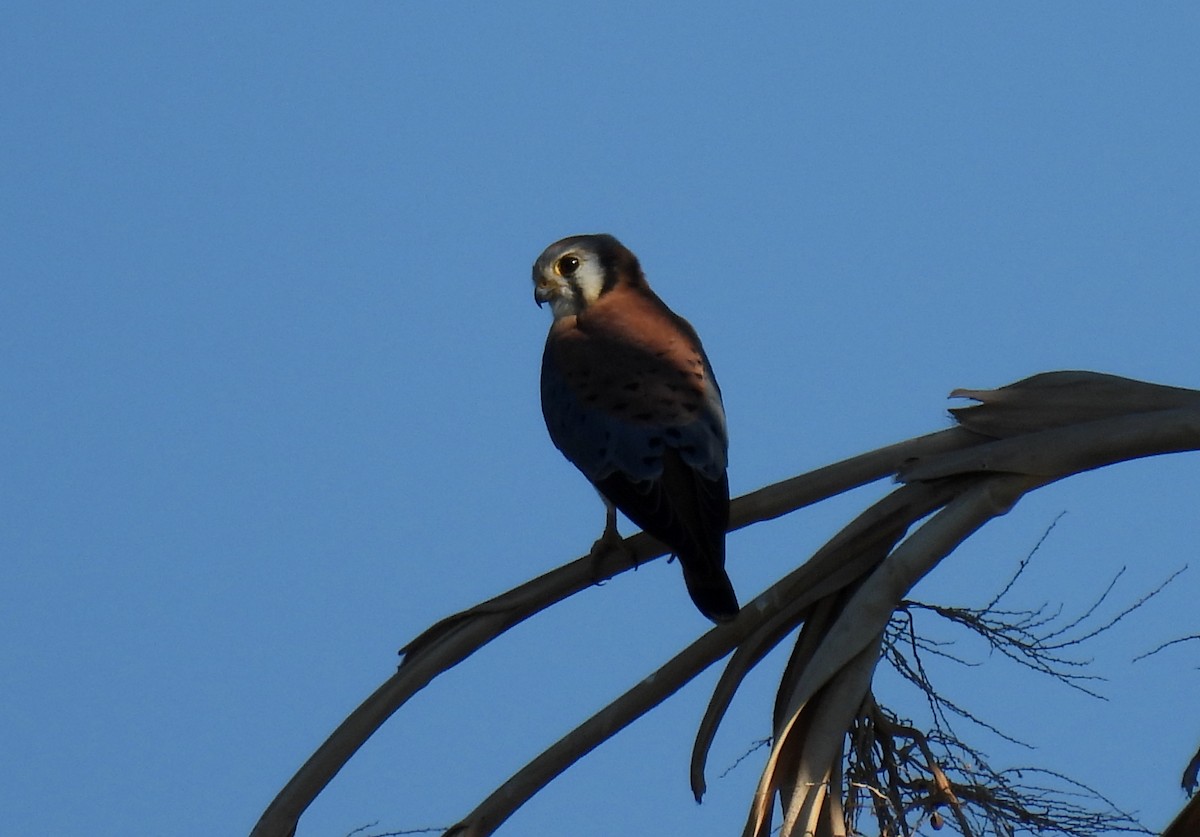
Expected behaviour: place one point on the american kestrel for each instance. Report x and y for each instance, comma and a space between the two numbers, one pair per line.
629, 397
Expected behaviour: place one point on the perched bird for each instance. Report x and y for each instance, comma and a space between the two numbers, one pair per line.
629, 397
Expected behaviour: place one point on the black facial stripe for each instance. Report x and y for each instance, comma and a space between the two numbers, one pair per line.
608, 262
610, 278
616, 261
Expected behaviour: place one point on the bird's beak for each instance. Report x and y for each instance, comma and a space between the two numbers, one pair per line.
543, 292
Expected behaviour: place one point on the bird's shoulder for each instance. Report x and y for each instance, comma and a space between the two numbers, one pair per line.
631, 321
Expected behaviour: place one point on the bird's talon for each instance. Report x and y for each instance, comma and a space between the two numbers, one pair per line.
610, 542
605, 546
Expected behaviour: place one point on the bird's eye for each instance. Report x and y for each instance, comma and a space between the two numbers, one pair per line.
566, 266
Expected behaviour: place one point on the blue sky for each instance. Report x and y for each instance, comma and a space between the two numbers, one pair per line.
269, 377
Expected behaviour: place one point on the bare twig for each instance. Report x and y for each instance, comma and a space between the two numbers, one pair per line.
1163, 646
907, 773
1028, 637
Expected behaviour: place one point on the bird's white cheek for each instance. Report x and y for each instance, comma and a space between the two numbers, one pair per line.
589, 279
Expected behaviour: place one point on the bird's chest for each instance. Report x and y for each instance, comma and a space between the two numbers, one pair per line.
641, 381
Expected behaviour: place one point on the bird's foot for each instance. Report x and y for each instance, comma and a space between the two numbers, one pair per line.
606, 545
610, 541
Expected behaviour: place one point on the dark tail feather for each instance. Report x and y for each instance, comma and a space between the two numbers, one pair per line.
689, 514
711, 590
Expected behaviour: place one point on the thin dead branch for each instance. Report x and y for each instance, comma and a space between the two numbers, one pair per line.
902, 776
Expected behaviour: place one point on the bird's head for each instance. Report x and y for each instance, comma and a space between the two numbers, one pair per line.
573, 273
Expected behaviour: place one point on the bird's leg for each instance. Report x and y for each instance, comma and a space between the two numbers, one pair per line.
609, 541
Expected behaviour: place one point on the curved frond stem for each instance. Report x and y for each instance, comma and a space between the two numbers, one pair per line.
1018, 438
